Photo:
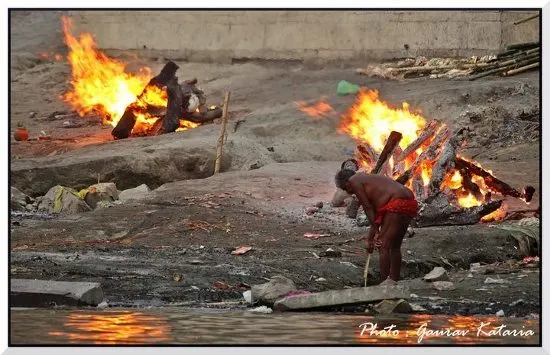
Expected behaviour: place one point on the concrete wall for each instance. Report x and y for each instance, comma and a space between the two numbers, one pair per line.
317, 36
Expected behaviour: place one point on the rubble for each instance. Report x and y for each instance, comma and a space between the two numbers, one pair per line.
443, 285
387, 307
261, 309
63, 200
18, 200
101, 192
437, 274
269, 292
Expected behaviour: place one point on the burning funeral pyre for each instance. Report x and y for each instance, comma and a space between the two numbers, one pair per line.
134, 104
422, 155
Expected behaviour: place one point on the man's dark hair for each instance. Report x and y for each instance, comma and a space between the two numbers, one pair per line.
342, 178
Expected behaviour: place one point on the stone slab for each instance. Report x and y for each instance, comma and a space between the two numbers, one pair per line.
346, 297
44, 293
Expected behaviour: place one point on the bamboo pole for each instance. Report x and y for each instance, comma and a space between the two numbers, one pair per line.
221, 139
522, 69
504, 69
526, 19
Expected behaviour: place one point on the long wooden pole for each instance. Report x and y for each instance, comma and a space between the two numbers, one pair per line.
221, 140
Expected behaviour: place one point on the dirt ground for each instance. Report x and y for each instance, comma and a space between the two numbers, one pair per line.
172, 247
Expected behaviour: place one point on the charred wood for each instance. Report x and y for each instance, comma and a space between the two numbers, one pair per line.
494, 183
437, 211
124, 127
392, 141
428, 132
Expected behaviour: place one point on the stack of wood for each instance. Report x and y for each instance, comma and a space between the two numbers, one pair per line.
515, 59
438, 207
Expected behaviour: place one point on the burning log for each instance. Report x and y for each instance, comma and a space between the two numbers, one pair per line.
398, 166
427, 133
445, 163
493, 183
430, 153
124, 127
392, 141
437, 211
367, 154
174, 110
469, 185
418, 187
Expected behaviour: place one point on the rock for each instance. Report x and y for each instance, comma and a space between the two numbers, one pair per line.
104, 204
319, 204
261, 309
330, 253
32, 114
490, 280
500, 313
517, 303
103, 305
63, 200
346, 297
320, 279
269, 292
388, 282
311, 210
29, 207
443, 285
338, 198
352, 207
105, 191
475, 268
417, 308
247, 295
470, 275
437, 274
392, 306
18, 200
43, 293
137, 193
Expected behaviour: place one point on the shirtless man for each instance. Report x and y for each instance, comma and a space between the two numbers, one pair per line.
390, 207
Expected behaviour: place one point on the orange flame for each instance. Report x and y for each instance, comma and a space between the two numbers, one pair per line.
101, 85
318, 109
371, 120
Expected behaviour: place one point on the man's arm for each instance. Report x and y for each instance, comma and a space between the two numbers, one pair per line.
359, 191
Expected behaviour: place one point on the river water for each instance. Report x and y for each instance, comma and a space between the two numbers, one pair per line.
180, 326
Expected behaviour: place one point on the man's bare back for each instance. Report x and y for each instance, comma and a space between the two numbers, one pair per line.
378, 189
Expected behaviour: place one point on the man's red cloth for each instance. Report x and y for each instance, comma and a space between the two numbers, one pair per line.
407, 207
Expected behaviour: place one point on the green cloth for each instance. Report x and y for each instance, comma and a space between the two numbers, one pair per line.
347, 88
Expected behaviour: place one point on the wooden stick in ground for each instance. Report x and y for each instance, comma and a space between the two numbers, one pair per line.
221, 140
522, 69
366, 271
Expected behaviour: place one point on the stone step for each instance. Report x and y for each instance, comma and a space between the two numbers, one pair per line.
45, 293
346, 297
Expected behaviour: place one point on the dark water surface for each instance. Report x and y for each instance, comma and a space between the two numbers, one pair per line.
180, 326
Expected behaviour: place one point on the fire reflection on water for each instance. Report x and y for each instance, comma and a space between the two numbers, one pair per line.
121, 327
